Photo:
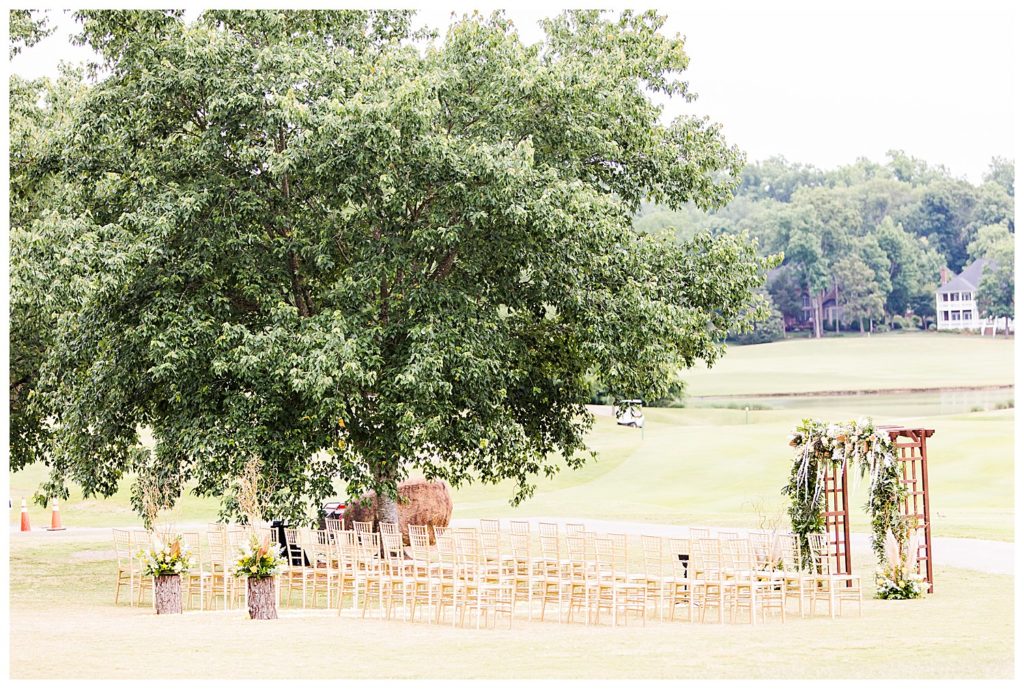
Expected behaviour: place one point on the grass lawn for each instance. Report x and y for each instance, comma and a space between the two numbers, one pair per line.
695, 466
64, 625
725, 467
690, 466
708, 467
879, 362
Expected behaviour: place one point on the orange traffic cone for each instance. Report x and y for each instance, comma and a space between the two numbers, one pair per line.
25, 526
55, 517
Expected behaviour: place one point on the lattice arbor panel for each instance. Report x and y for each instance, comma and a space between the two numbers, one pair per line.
912, 453
837, 519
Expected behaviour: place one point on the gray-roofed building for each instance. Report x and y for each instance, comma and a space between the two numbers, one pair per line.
956, 306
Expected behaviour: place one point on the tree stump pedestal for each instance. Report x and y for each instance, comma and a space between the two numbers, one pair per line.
167, 594
262, 604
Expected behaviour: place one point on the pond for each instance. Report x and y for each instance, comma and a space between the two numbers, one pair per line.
881, 404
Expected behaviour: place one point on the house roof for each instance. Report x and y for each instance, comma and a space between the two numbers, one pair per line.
969, 279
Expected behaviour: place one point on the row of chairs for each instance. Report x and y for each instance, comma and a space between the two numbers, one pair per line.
494, 572
579, 570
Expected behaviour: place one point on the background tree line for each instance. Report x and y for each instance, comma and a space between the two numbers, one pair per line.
881, 233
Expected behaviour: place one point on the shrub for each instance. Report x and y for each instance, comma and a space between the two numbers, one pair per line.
906, 322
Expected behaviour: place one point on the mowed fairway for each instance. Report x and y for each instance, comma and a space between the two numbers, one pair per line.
888, 361
693, 466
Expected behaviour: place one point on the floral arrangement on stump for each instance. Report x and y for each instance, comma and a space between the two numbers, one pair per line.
259, 562
822, 446
165, 561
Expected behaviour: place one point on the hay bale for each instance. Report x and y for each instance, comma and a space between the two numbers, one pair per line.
421, 502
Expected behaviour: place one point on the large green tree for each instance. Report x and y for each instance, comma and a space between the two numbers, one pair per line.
995, 293
38, 236
913, 269
318, 241
859, 291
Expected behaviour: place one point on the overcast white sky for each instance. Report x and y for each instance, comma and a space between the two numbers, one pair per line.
817, 84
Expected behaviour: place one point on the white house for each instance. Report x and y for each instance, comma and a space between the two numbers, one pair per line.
956, 307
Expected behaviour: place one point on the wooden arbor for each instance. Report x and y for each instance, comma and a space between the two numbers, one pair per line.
912, 453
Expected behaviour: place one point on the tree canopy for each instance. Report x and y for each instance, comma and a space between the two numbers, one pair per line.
321, 240
904, 219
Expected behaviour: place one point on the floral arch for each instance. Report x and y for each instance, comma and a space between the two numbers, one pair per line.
894, 458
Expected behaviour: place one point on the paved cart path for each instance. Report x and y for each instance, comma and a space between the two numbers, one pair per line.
994, 557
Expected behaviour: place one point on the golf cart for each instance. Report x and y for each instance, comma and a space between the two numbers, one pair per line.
630, 413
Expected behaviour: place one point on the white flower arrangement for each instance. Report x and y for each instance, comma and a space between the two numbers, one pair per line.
259, 559
166, 558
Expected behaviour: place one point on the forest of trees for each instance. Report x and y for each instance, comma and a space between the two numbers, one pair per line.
880, 233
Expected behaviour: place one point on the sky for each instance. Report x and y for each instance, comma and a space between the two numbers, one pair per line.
817, 83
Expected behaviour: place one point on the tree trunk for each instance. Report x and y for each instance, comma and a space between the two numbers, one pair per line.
387, 509
262, 605
860, 322
167, 594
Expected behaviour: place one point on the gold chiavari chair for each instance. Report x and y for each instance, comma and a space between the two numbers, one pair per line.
630, 593
522, 570
486, 590
679, 575
426, 574
577, 577
346, 556
127, 543
711, 587
221, 559
830, 586
697, 533
750, 588
794, 579
323, 573
397, 576
333, 525
447, 580
371, 570
654, 575
546, 575
198, 579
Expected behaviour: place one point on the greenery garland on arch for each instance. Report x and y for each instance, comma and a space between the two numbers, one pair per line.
821, 446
